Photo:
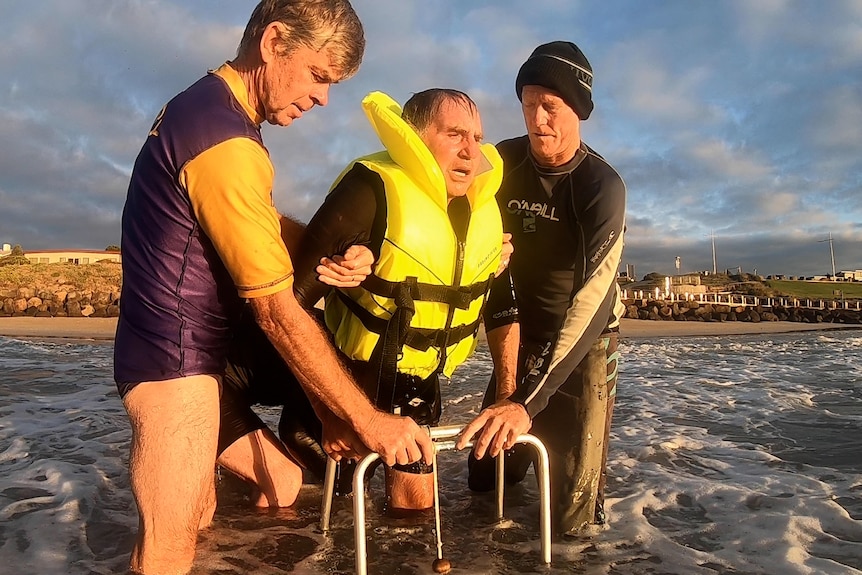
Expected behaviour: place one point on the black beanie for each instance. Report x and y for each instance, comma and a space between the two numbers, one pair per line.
560, 66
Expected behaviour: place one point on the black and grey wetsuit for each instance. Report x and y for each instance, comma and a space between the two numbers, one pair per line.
568, 247
567, 227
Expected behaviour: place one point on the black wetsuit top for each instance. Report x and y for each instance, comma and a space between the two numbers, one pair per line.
567, 230
353, 213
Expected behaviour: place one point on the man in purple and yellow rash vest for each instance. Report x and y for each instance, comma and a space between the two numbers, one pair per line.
200, 236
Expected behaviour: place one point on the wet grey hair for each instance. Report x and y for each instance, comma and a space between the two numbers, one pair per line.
318, 24
421, 109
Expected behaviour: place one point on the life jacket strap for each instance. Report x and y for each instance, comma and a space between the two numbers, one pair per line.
459, 297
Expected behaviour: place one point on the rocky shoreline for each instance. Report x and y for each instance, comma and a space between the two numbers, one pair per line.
56, 290
663, 310
60, 290
65, 301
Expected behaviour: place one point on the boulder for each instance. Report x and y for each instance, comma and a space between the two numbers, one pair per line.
101, 298
73, 308
8, 306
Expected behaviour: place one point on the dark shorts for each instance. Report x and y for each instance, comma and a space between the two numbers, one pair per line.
256, 374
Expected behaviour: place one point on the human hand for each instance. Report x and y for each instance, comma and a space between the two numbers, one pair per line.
340, 441
500, 425
396, 439
348, 270
505, 254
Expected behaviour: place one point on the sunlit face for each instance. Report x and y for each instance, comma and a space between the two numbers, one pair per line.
454, 138
294, 83
552, 126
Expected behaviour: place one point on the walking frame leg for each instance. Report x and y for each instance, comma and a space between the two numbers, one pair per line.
542, 475
328, 492
359, 510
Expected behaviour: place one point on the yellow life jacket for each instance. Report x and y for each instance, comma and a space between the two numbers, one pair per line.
423, 267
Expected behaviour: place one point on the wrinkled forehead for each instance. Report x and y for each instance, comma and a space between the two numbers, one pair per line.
458, 114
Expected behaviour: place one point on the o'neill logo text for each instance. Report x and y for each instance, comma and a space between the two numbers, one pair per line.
537, 209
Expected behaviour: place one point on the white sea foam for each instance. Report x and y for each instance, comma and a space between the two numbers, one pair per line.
736, 455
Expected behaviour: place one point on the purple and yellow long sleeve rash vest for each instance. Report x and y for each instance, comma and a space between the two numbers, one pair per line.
199, 234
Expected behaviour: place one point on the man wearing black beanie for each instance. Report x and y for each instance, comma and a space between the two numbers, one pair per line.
554, 336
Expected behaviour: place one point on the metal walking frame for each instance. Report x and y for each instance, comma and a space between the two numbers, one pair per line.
437, 434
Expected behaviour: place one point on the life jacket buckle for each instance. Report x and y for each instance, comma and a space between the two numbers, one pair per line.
463, 297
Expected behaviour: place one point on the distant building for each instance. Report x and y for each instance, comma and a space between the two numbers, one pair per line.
76, 257
5, 250
685, 285
850, 276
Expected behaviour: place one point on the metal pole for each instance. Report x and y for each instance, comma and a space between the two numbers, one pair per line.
714, 268
831, 253
437, 508
328, 492
544, 477
359, 510
501, 468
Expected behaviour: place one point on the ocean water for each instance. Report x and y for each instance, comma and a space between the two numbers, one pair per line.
737, 455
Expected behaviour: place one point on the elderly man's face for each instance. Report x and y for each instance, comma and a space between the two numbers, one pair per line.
295, 83
454, 138
552, 126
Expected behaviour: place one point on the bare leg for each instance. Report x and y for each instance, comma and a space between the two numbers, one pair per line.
171, 467
413, 491
260, 458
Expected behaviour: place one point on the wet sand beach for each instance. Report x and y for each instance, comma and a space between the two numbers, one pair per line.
102, 329
75, 328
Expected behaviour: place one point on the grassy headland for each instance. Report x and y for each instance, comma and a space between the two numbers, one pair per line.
816, 289
98, 276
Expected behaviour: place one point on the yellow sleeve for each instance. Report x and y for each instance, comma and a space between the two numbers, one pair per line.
230, 188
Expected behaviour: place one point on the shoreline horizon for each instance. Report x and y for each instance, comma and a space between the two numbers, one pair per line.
103, 329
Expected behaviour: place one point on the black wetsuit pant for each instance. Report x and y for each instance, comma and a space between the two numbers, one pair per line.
576, 414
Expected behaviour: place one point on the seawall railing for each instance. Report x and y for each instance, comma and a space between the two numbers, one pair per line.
742, 300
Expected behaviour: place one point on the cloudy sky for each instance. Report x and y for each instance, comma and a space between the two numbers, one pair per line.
733, 121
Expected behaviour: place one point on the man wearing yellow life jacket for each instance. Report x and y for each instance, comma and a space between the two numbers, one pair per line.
426, 208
